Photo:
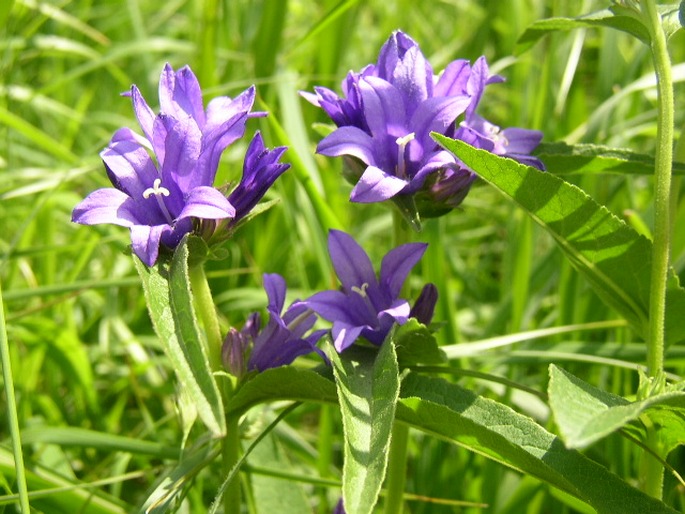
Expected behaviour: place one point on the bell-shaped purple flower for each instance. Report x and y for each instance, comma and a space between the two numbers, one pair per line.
368, 306
261, 168
280, 342
385, 118
164, 180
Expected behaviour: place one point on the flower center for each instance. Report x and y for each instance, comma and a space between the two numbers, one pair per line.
158, 192
402, 143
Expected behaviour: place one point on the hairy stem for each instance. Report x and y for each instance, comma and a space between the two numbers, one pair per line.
662, 193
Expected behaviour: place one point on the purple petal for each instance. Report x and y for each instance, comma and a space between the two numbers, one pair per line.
180, 95
350, 261
344, 335
414, 78
145, 241
398, 312
453, 79
129, 167
425, 304
260, 170
351, 141
143, 112
384, 108
375, 185
223, 108
521, 141
435, 115
205, 202
436, 161
397, 45
332, 306
214, 142
397, 264
182, 149
105, 206
275, 287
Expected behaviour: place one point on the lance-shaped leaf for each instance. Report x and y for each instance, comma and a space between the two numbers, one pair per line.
617, 17
586, 414
496, 431
170, 303
561, 158
282, 383
614, 258
368, 386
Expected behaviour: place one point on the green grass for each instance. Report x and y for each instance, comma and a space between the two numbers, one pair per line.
96, 399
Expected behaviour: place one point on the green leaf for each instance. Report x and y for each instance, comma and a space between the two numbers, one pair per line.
164, 495
170, 303
275, 494
617, 17
614, 258
496, 431
603, 18
415, 344
283, 383
368, 387
562, 158
586, 414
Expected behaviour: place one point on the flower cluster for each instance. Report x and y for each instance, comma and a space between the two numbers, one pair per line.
164, 187
387, 113
368, 307
164, 180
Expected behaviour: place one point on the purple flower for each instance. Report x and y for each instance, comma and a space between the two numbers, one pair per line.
280, 342
164, 180
385, 118
367, 306
260, 170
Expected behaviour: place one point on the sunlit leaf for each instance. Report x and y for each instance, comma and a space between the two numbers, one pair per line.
368, 387
586, 414
170, 303
613, 257
561, 158
495, 430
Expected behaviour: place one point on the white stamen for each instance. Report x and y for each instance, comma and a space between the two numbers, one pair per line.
361, 291
156, 189
402, 143
158, 192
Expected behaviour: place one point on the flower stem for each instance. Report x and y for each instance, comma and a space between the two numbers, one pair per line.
397, 459
397, 469
204, 305
652, 470
12, 417
662, 194
231, 455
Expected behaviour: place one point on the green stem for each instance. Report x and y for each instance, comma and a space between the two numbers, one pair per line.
652, 470
231, 456
12, 417
397, 458
397, 469
204, 305
662, 193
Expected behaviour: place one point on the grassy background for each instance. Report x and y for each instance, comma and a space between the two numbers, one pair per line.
83, 352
